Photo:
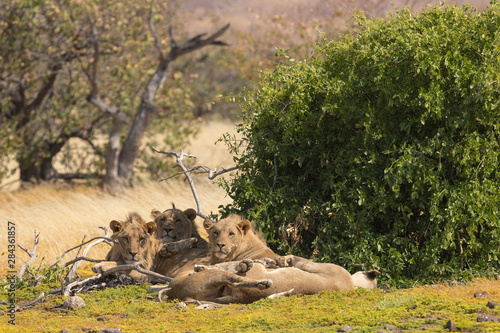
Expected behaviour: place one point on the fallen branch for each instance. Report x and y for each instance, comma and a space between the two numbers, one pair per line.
161, 292
73, 269
37, 300
31, 254
105, 239
129, 267
81, 259
67, 289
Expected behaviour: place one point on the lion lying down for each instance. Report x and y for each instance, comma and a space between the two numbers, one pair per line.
248, 281
233, 281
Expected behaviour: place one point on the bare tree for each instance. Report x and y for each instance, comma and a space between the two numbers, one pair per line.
119, 162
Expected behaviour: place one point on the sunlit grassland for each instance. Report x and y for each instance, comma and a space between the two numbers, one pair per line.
134, 309
64, 215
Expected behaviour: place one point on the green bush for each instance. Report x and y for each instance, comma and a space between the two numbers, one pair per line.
382, 148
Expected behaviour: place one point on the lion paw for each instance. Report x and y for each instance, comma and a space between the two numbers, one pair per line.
199, 268
265, 284
101, 267
245, 265
164, 252
285, 261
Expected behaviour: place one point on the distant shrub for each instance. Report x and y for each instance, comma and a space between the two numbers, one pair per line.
382, 148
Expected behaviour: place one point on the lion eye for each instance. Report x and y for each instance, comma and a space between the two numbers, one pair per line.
125, 239
216, 233
141, 239
231, 233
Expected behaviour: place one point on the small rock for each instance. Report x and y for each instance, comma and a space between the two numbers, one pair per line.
64, 331
208, 306
451, 326
102, 319
413, 307
431, 317
389, 327
483, 294
74, 303
483, 318
334, 323
243, 308
181, 305
111, 330
345, 328
492, 305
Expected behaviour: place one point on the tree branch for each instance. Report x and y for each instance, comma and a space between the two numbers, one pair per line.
105, 239
186, 172
87, 249
31, 254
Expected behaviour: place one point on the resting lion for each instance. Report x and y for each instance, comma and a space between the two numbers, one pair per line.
134, 243
177, 230
231, 281
233, 239
255, 281
183, 246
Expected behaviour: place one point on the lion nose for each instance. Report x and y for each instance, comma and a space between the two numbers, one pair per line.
133, 254
220, 245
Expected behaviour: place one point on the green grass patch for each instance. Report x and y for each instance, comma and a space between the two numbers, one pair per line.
135, 309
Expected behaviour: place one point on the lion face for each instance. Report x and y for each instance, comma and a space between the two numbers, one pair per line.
173, 224
134, 241
226, 236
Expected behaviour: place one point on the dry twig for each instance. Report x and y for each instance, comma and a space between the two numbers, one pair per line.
78, 262
212, 173
31, 254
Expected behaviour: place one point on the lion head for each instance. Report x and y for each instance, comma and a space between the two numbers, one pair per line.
234, 238
134, 242
174, 225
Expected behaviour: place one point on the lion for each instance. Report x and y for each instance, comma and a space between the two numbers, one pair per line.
182, 247
249, 281
233, 278
134, 243
234, 238
177, 230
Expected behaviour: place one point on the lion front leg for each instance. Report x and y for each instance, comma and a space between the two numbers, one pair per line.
236, 267
102, 267
171, 248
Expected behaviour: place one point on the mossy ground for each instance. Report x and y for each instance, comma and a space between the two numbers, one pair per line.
135, 309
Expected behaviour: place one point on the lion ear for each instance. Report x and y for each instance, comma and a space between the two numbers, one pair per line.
155, 213
150, 227
208, 224
116, 226
190, 213
245, 226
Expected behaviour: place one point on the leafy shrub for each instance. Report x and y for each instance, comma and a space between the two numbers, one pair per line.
382, 148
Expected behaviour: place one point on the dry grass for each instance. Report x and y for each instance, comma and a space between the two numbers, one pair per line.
64, 215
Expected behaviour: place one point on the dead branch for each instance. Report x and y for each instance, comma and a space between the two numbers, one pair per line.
186, 172
105, 239
161, 292
212, 173
67, 289
37, 300
129, 267
87, 249
31, 254
81, 259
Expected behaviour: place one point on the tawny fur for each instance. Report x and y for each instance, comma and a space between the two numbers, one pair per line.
134, 243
